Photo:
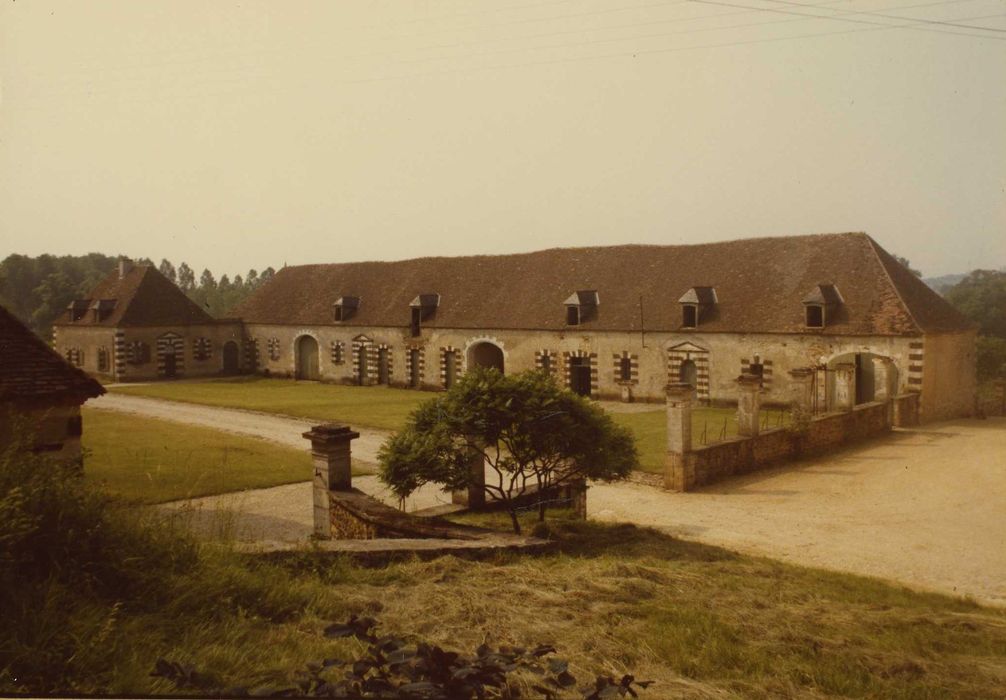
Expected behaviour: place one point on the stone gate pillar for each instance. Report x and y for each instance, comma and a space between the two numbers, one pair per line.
677, 475
330, 452
881, 379
475, 495
802, 388
845, 386
748, 404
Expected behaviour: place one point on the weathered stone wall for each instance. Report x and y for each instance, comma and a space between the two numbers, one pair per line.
724, 355
189, 364
347, 525
55, 427
713, 463
89, 341
949, 384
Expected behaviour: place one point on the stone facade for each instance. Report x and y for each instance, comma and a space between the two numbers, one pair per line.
655, 358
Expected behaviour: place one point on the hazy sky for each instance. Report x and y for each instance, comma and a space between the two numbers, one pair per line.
237, 135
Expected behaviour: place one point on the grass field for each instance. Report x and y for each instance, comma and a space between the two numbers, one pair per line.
370, 406
387, 408
152, 461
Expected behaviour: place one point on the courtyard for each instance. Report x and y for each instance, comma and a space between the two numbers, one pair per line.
922, 507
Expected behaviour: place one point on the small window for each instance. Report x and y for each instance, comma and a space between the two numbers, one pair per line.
690, 316
337, 313
103, 359
625, 369
546, 364
417, 315
572, 315
815, 316
338, 353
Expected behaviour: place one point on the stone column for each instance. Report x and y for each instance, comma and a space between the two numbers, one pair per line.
802, 388
475, 495
845, 386
748, 404
881, 379
331, 454
680, 396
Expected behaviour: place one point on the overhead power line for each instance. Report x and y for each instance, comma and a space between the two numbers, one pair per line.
898, 17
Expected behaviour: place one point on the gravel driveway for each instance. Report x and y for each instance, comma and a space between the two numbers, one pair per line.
926, 507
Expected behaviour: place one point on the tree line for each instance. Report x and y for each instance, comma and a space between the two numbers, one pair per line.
38, 289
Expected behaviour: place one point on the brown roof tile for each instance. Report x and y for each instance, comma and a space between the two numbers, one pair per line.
143, 297
30, 369
760, 284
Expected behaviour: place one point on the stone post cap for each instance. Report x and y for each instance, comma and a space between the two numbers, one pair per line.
845, 366
328, 433
679, 389
801, 372
750, 381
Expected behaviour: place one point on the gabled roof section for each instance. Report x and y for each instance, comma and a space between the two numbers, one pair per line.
699, 295
584, 297
140, 297
826, 294
760, 285
30, 369
426, 301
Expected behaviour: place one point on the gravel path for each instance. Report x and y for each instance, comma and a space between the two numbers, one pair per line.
926, 507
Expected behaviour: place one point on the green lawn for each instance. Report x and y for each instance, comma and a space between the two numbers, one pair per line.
357, 406
152, 461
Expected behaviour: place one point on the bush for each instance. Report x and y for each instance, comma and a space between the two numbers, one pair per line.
991, 359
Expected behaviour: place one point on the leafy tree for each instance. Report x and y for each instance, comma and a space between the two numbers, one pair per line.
527, 429
981, 296
908, 266
206, 281
267, 274
251, 280
186, 278
991, 358
54, 294
168, 270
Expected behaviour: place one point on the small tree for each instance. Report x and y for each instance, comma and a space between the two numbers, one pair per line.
527, 429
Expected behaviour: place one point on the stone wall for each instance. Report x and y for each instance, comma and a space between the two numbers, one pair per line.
183, 341
723, 355
949, 384
55, 426
740, 455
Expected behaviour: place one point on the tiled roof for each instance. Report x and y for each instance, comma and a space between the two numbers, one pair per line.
760, 284
143, 297
30, 369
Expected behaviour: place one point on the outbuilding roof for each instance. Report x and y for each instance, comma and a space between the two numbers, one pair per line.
140, 297
30, 369
760, 284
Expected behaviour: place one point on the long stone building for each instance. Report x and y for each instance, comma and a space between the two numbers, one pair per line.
614, 322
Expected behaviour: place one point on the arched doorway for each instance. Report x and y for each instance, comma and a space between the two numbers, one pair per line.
689, 373
486, 354
231, 363
307, 358
868, 379
383, 366
362, 369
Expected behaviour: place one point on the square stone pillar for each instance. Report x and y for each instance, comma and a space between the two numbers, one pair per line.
680, 396
748, 405
331, 454
475, 495
881, 379
802, 388
845, 386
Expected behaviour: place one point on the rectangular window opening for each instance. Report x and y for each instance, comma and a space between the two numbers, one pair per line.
690, 316
572, 316
815, 316
417, 315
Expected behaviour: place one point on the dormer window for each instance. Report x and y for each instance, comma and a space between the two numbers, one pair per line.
102, 309
77, 310
696, 304
820, 303
423, 307
581, 306
344, 308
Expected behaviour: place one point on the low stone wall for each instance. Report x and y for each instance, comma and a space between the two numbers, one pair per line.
712, 463
353, 515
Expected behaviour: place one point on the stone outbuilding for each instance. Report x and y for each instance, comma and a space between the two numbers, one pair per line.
622, 322
40, 392
137, 325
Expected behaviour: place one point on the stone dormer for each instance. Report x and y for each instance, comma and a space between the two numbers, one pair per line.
820, 303
423, 307
581, 306
344, 308
102, 309
76, 310
697, 304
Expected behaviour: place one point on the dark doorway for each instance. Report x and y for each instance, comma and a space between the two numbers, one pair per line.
486, 355
689, 373
414, 374
450, 368
170, 365
361, 365
865, 381
382, 366
231, 364
579, 375
307, 358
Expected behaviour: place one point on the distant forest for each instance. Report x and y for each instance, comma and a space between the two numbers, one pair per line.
37, 290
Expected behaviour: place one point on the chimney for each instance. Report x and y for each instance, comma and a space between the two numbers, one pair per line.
125, 265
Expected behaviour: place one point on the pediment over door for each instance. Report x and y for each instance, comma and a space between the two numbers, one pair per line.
362, 339
686, 347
